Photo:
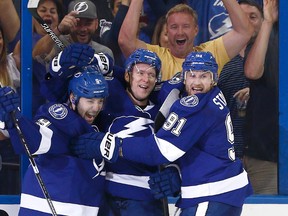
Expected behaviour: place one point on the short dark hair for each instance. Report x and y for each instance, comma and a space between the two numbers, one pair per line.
256, 3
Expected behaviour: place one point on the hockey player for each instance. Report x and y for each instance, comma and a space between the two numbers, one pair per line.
128, 113
76, 186
198, 136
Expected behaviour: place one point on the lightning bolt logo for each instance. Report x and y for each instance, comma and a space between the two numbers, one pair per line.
129, 126
81, 7
224, 22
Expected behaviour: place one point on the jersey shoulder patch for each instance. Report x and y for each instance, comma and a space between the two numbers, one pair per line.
58, 111
177, 78
190, 101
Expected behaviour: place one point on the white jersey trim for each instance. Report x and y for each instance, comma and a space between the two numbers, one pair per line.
136, 181
41, 205
215, 188
45, 144
168, 150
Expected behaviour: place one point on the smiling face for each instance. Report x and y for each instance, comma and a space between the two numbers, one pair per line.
47, 10
84, 30
181, 30
198, 82
141, 82
88, 108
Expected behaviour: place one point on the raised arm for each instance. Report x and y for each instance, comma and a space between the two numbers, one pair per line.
254, 65
46, 44
128, 36
9, 19
242, 30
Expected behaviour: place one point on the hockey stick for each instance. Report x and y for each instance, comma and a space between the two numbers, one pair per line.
159, 121
34, 165
32, 7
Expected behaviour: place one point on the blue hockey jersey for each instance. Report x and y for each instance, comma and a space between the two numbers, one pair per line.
75, 185
125, 178
198, 136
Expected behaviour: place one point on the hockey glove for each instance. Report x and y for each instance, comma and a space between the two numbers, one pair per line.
73, 57
105, 63
97, 145
9, 102
165, 183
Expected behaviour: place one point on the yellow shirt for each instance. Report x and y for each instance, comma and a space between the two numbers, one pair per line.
171, 64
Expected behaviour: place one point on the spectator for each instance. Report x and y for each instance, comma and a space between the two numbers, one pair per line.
232, 80
76, 27
262, 127
9, 76
198, 136
160, 33
10, 22
110, 37
50, 11
115, 4
76, 186
104, 15
182, 29
151, 12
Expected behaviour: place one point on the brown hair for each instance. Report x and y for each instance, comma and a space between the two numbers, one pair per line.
183, 8
157, 30
4, 76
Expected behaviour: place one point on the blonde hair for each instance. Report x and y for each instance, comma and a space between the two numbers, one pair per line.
183, 8
4, 76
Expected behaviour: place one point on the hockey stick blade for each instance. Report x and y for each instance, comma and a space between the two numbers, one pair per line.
32, 7
34, 165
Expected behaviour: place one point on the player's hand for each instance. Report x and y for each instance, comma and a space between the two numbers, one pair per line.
105, 63
97, 145
73, 57
9, 102
165, 183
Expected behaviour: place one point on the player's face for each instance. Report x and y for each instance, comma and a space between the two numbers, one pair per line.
84, 30
89, 108
198, 82
181, 30
48, 12
142, 80
254, 16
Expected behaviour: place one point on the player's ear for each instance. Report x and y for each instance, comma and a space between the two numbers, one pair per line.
126, 76
72, 98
